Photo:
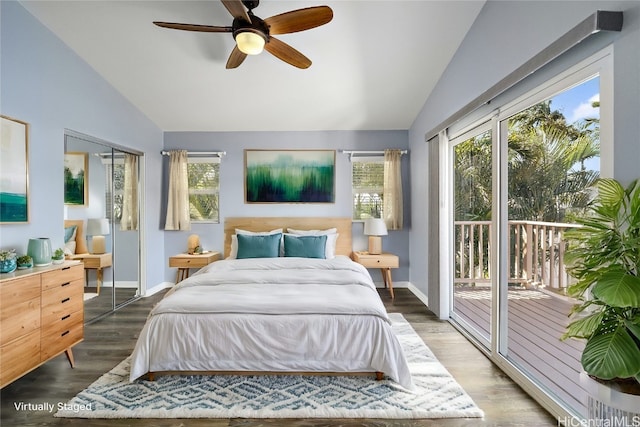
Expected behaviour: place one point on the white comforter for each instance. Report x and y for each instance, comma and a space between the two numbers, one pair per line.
275, 314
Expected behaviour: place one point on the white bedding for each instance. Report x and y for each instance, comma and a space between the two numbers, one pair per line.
272, 314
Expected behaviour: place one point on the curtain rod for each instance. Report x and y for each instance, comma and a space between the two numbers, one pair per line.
200, 153
369, 152
599, 21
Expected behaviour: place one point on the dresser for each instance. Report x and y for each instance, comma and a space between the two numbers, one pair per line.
41, 316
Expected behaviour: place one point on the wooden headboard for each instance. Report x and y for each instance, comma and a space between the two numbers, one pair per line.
81, 242
253, 223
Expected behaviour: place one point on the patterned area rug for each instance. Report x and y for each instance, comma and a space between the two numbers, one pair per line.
437, 394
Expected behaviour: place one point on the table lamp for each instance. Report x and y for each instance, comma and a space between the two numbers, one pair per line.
374, 228
97, 228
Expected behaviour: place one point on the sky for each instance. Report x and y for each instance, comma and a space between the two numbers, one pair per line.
575, 103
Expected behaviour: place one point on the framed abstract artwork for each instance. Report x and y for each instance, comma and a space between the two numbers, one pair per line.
289, 176
76, 173
14, 171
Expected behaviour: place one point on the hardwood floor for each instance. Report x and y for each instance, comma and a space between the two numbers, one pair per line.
110, 340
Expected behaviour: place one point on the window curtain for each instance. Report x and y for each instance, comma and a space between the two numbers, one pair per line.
129, 220
392, 205
178, 200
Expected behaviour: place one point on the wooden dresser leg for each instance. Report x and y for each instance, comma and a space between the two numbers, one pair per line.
69, 354
151, 376
379, 376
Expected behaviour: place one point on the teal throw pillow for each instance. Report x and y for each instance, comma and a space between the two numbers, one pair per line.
305, 246
258, 246
69, 233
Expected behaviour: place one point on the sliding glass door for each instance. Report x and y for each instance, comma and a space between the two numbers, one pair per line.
472, 172
518, 181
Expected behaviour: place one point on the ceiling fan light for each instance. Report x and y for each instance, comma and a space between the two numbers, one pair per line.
250, 43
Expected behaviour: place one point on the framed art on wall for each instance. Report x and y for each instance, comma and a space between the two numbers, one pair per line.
289, 176
14, 171
76, 173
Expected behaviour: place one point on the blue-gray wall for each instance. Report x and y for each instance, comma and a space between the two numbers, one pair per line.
232, 187
46, 84
504, 36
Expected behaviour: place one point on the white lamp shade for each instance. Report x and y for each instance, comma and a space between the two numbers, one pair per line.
250, 43
97, 227
375, 227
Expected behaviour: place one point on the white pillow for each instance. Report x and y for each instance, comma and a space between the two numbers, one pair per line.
332, 237
234, 240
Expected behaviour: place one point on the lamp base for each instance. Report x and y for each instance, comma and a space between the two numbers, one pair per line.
98, 245
375, 245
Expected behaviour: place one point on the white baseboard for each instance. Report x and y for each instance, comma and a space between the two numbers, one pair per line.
418, 293
157, 288
399, 284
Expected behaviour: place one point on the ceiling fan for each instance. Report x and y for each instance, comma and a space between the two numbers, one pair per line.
253, 34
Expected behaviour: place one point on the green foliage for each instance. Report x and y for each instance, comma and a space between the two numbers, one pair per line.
603, 255
58, 254
291, 184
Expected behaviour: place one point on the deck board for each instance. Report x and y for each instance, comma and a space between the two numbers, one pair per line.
536, 320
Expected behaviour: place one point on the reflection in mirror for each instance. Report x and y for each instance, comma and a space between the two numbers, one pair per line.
102, 231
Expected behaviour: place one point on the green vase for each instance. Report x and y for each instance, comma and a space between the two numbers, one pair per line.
39, 249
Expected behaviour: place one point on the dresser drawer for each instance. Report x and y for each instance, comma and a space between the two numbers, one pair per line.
19, 319
386, 261
61, 324
15, 291
52, 279
63, 294
54, 344
52, 313
19, 357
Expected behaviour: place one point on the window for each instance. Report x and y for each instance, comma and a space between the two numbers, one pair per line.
367, 183
204, 189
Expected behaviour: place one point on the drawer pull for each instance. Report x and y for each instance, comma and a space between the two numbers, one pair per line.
65, 317
65, 284
65, 300
64, 333
65, 268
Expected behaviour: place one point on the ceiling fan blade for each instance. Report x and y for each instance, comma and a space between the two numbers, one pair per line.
286, 53
236, 9
299, 20
236, 58
193, 27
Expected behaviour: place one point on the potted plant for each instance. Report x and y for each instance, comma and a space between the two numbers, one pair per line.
24, 262
8, 261
603, 255
58, 256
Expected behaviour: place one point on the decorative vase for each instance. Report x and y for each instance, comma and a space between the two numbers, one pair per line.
39, 249
8, 265
192, 243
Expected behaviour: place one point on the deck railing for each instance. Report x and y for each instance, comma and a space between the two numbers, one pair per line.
536, 253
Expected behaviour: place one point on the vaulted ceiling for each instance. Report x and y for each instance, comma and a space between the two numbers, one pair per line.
373, 68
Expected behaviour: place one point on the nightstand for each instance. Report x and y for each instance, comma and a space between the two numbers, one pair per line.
385, 262
95, 262
186, 261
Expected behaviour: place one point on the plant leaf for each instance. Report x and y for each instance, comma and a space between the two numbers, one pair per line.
633, 327
584, 327
610, 193
612, 355
618, 289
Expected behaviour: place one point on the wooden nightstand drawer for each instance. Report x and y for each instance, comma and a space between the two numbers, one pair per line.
193, 261
376, 261
55, 278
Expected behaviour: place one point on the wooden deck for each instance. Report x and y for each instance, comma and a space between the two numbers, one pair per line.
536, 320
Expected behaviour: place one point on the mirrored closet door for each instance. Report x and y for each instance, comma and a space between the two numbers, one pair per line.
102, 220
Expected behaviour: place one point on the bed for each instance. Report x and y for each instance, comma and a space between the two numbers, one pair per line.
312, 311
